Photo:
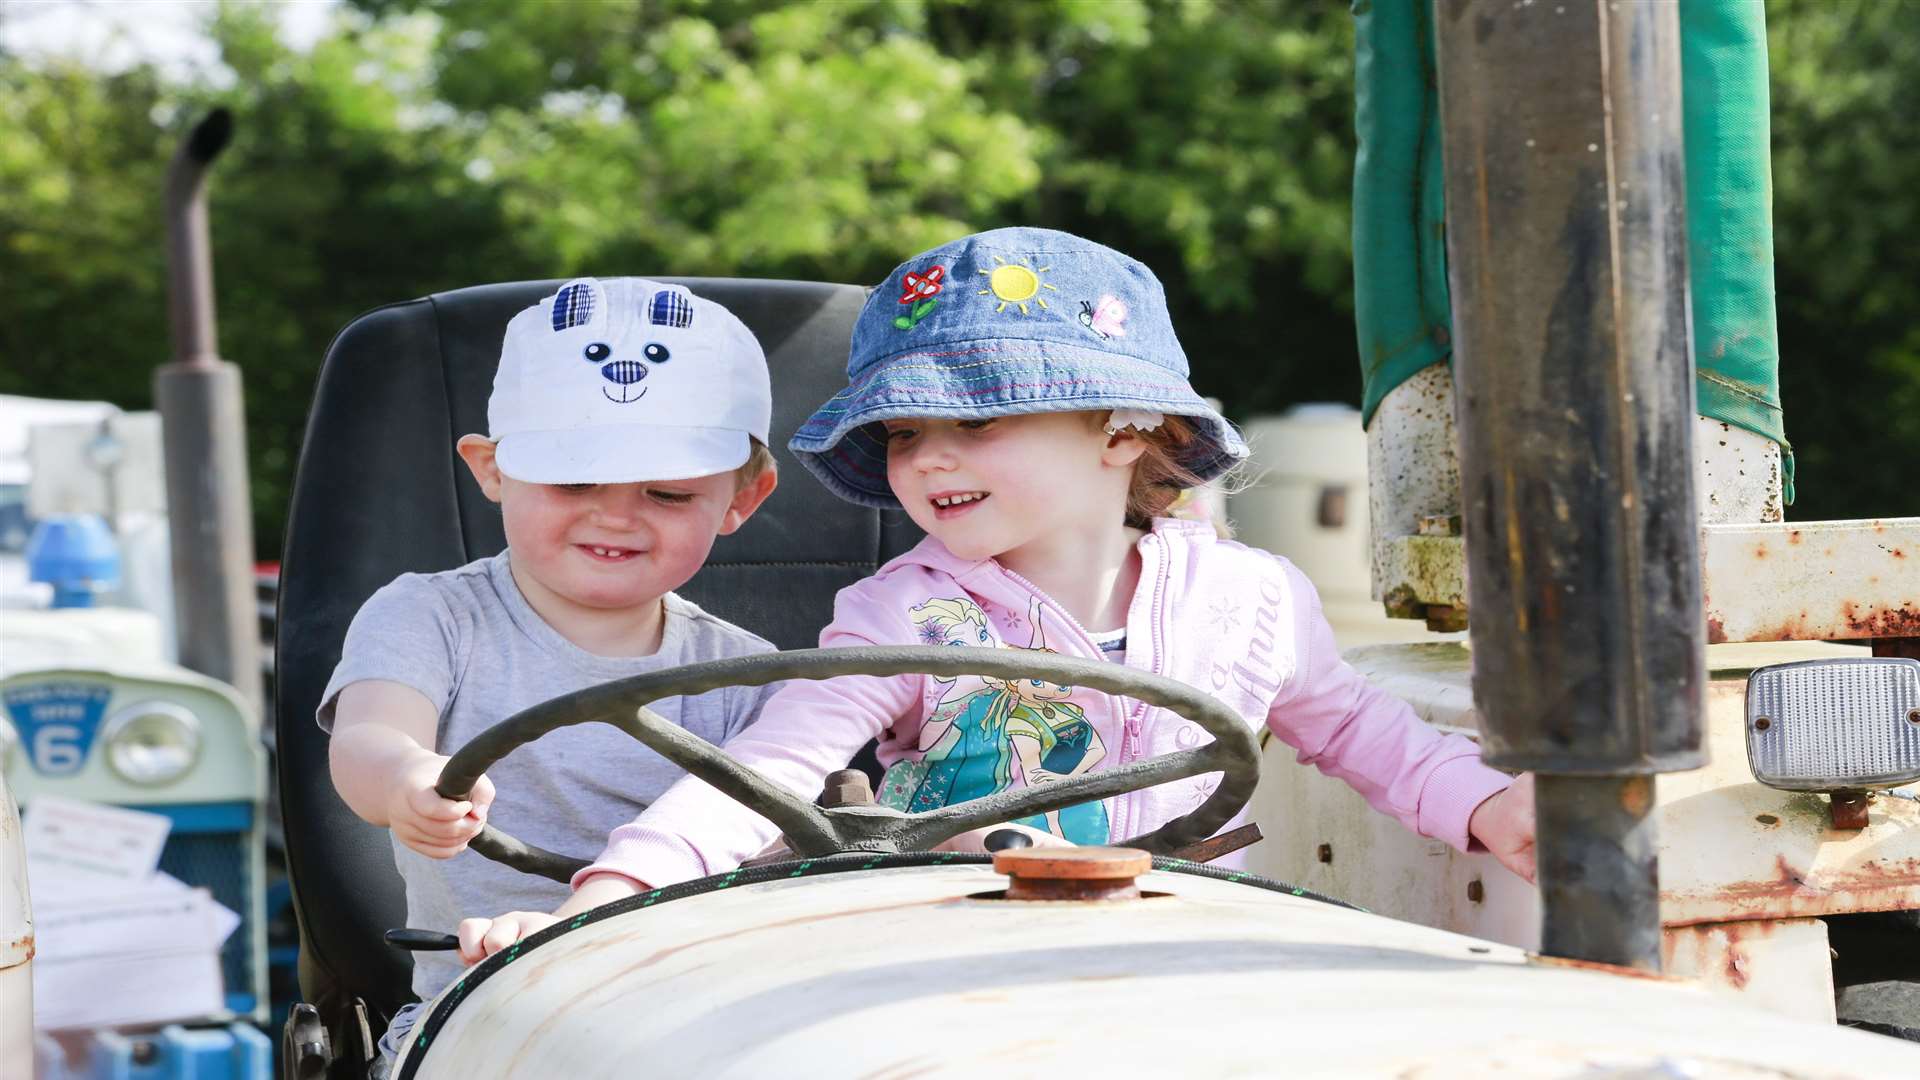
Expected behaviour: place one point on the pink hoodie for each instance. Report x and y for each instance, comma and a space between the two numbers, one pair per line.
1233, 620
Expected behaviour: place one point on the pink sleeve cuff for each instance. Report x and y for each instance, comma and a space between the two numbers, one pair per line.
653, 858
1453, 791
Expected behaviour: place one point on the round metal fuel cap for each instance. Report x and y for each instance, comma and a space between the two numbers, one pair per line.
1072, 873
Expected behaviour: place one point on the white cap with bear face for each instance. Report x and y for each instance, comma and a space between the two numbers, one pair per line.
626, 380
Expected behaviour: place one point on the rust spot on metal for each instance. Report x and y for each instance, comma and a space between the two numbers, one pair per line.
1636, 796
1224, 844
1849, 809
1324, 853
1716, 631
1793, 536
1881, 621
1760, 551
21, 947
1595, 965
1768, 820
1899, 553
1736, 967
1476, 891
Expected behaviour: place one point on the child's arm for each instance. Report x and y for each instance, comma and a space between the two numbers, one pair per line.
384, 771
1433, 783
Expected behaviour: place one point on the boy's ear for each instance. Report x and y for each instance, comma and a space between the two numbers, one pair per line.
748, 499
478, 452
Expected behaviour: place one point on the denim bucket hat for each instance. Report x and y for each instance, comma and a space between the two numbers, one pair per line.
1002, 323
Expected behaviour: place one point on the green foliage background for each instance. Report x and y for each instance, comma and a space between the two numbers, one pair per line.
429, 144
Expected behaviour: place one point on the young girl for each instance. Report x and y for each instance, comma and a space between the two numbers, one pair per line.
1021, 394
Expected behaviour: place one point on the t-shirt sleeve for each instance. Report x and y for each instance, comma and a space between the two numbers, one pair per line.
1349, 728
405, 633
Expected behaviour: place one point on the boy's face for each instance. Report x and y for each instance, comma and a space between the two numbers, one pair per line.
612, 546
993, 488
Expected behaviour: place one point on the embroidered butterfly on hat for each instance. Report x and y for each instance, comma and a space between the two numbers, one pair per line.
1106, 317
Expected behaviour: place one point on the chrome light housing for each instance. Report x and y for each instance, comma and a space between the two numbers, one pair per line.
152, 742
1835, 725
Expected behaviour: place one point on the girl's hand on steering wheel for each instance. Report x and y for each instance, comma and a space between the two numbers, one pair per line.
481, 938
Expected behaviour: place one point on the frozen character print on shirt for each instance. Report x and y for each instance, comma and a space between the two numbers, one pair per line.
986, 731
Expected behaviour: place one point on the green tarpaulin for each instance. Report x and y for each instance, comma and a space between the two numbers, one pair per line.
1399, 248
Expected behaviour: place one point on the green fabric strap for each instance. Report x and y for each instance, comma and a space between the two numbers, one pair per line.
1400, 294
1399, 253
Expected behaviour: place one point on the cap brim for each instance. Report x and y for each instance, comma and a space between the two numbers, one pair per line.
624, 454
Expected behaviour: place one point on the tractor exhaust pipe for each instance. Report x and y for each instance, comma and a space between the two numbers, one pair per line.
1566, 230
210, 517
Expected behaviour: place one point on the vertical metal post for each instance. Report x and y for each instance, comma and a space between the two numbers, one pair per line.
210, 517
1566, 225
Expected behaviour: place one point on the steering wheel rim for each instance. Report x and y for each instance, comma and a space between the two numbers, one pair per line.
811, 831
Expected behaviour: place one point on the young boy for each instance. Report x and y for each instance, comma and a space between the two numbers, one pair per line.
629, 426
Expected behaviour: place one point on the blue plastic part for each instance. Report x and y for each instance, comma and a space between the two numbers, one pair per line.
77, 555
233, 1052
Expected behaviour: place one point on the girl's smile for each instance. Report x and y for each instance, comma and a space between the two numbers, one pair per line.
948, 505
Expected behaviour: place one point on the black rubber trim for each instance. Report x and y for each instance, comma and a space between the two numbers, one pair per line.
799, 868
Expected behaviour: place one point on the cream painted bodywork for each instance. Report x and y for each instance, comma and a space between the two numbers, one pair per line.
16, 945
897, 973
1755, 862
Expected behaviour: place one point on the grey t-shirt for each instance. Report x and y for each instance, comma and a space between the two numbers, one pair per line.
468, 640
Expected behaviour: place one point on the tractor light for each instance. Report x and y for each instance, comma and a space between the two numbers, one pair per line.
1835, 725
152, 742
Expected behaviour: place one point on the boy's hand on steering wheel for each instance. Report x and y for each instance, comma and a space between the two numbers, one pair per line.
481, 938
436, 827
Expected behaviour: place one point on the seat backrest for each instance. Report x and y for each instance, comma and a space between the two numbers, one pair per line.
380, 492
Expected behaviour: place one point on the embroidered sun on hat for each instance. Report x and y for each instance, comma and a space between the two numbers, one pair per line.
624, 380
1001, 323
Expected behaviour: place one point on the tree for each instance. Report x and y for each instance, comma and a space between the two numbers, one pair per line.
429, 144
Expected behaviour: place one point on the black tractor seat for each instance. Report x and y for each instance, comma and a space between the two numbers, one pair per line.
380, 492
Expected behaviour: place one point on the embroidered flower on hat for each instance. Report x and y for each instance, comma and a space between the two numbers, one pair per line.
1015, 284
919, 290
916, 286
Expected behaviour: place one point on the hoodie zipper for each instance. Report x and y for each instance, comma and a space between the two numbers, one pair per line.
1130, 722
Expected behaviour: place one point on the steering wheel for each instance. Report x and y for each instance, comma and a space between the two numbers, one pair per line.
813, 832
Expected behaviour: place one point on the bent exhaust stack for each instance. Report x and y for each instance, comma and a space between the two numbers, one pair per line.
203, 422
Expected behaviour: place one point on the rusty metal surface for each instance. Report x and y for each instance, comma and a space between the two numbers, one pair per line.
1782, 965
1847, 810
1423, 570
1413, 468
1823, 580
1730, 850
901, 973
1736, 474
1733, 849
1224, 844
